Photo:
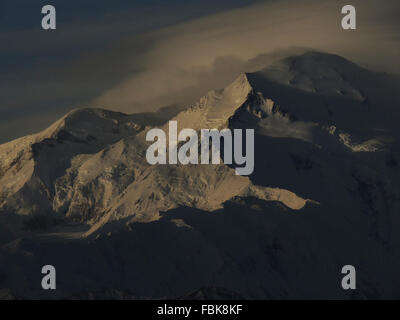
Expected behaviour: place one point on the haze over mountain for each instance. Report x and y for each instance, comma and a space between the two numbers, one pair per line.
324, 193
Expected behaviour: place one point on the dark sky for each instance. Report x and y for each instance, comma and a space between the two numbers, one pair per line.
21, 16
133, 56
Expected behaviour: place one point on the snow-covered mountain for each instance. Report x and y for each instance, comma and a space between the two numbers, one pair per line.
90, 166
324, 192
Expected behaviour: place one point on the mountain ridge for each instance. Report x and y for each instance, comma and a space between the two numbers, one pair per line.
103, 163
90, 162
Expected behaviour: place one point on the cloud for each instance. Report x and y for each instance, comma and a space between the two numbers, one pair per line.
187, 60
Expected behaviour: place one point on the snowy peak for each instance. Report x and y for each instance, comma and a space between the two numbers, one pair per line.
89, 124
29, 166
313, 87
316, 97
330, 91
214, 109
319, 73
80, 128
236, 105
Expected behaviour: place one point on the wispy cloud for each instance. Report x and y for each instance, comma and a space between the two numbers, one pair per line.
187, 60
